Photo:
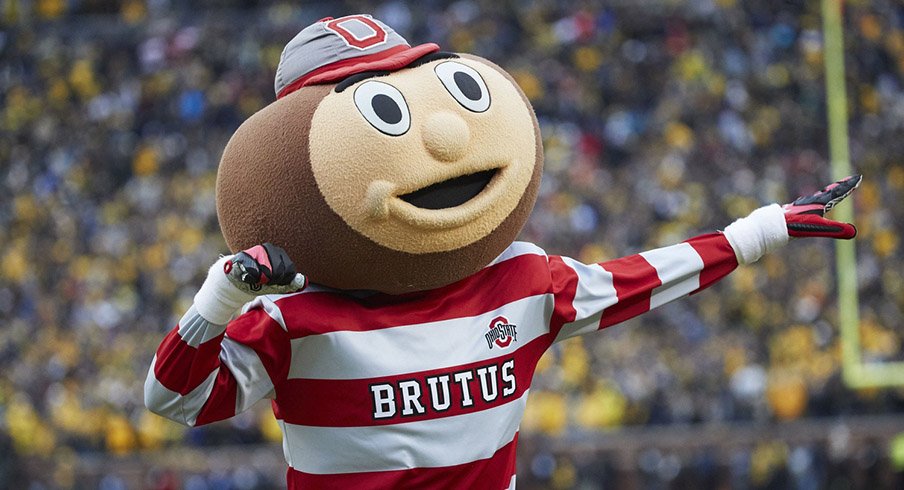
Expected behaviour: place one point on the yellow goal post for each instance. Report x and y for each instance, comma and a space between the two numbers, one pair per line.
856, 373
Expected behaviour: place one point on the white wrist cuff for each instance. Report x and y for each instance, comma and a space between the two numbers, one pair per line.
764, 230
218, 300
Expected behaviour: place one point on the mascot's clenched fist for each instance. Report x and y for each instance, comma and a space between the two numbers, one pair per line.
385, 308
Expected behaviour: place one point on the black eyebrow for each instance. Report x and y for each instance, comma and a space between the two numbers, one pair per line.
427, 58
364, 75
357, 77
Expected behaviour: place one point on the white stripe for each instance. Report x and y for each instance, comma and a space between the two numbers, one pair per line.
678, 267
285, 441
195, 330
512, 482
249, 372
594, 293
516, 249
424, 444
419, 347
167, 403
267, 304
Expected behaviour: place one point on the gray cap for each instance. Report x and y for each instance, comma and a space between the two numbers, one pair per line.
332, 49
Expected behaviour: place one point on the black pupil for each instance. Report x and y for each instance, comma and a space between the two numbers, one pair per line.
386, 108
468, 86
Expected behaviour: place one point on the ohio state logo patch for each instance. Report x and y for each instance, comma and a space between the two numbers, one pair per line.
502, 333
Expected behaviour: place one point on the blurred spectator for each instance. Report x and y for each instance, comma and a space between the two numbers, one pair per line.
660, 120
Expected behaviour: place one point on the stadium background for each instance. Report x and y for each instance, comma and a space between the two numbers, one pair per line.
661, 119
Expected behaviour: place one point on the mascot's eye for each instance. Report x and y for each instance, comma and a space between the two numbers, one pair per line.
465, 84
384, 107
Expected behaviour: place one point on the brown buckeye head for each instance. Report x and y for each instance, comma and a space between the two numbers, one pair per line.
398, 182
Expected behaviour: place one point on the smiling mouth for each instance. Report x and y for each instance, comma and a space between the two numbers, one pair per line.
450, 193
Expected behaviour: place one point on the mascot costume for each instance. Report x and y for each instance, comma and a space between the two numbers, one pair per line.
376, 294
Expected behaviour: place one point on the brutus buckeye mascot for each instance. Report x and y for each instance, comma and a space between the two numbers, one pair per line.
376, 294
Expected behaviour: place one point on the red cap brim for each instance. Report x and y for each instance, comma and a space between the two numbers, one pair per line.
391, 59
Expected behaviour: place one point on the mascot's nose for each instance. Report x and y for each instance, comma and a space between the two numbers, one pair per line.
446, 136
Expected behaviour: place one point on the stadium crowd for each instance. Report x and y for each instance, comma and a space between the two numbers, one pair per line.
661, 120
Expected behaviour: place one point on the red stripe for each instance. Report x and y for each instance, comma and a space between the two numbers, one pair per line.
494, 472
350, 403
394, 58
391, 63
257, 330
344, 63
565, 286
719, 258
510, 280
634, 280
220, 404
181, 367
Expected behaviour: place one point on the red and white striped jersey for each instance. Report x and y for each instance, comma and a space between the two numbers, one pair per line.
419, 390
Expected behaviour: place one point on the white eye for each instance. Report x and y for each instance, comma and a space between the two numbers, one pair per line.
465, 84
384, 107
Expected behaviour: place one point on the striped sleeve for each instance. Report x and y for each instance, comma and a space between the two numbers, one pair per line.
204, 372
595, 296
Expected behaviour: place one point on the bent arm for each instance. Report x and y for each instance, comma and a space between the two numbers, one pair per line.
209, 368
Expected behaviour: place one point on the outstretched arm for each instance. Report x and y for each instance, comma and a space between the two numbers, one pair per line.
595, 296
210, 367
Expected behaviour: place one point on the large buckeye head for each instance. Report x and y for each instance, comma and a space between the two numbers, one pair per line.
390, 181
